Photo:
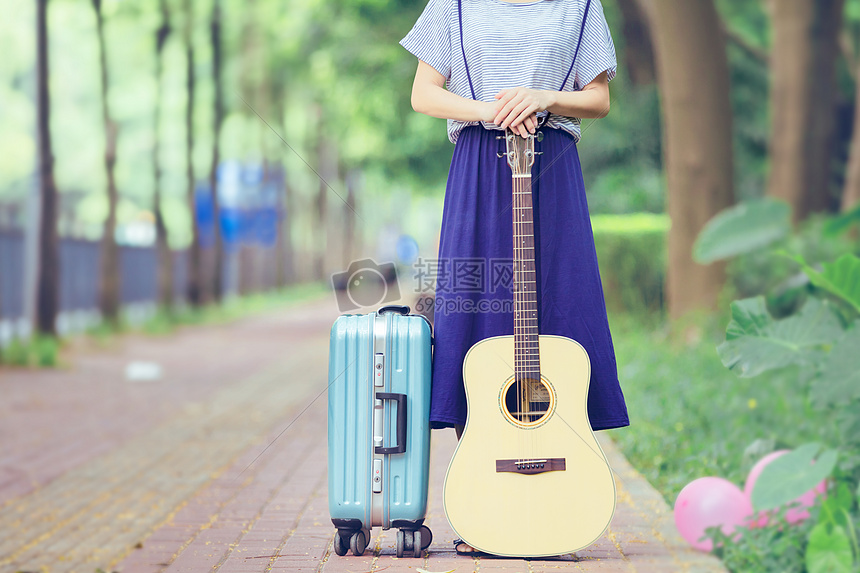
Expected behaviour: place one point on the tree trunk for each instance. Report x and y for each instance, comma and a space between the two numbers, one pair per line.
194, 285
218, 254
47, 294
638, 49
109, 282
285, 232
694, 85
851, 192
165, 258
327, 169
285, 248
803, 98
350, 240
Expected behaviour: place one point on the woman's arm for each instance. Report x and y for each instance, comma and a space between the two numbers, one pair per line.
430, 97
520, 103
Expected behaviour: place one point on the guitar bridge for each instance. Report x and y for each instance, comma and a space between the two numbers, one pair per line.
533, 466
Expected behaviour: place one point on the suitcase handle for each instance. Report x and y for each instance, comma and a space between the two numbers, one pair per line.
399, 309
400, 446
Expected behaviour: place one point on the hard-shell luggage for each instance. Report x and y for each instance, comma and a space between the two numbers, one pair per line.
378, 428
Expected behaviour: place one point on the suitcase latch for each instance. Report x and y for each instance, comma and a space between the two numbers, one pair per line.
378, 369
377, 476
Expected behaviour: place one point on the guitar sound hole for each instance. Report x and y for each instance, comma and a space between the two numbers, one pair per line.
528, 401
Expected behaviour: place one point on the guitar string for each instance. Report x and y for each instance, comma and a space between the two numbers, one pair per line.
534, 346
519, 335
525, 298
522, 274
517, 287
525, 199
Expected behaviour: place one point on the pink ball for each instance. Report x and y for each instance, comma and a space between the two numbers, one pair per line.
710, 502
793, 515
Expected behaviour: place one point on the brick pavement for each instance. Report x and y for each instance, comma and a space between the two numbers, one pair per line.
219, 467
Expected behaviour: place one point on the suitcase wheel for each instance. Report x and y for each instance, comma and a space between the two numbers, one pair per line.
426, 537
412, 543
341, 543
358, 542
416, 544
399, 542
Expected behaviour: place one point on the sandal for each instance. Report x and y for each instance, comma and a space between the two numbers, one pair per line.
459, 543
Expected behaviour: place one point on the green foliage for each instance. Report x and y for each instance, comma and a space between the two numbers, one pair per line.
16, 353
790, 476
750, 234
631, 250
45, 350
833, 544
690, 416
839, 379
829, 550
778, 546
741, 229
843, 222
824, 344
756, 343
814, 337
841, 278
103, 331
40, 351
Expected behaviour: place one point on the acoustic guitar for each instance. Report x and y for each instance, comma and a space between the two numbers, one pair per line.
528, 477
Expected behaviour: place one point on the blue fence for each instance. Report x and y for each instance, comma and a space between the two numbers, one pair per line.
244, 269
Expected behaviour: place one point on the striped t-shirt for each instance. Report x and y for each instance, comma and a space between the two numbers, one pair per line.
513, 45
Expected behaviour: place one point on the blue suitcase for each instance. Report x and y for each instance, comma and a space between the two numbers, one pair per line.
378, 428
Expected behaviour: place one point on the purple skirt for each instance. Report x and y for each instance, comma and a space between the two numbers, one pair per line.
474, 290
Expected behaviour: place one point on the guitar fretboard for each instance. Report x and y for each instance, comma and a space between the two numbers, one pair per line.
526, 350
530, 397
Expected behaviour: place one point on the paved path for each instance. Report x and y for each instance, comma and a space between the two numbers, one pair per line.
221, 466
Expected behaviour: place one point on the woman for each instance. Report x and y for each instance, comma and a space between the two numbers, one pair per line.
487, 65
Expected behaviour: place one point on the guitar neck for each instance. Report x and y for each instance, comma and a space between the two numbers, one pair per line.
526, 350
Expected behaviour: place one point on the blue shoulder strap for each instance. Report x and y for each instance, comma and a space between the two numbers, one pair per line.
578, 43
462, 47
466, 63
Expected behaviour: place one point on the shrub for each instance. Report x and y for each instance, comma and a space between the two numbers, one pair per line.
631, 250
16, 353
42, 351
813, 343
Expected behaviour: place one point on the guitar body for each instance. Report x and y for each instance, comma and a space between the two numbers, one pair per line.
530, 511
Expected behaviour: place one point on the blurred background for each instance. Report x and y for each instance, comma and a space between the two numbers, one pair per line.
158, 157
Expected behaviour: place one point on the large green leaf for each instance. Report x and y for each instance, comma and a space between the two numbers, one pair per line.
744, 228
755, 342
829, 550
841, 223
749, 316
836, 507
788, 477
839, 381
841, 278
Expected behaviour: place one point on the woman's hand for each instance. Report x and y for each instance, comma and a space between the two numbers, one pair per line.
491, 110
519, 108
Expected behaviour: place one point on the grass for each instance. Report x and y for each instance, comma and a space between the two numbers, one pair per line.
39, 351
691, 417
